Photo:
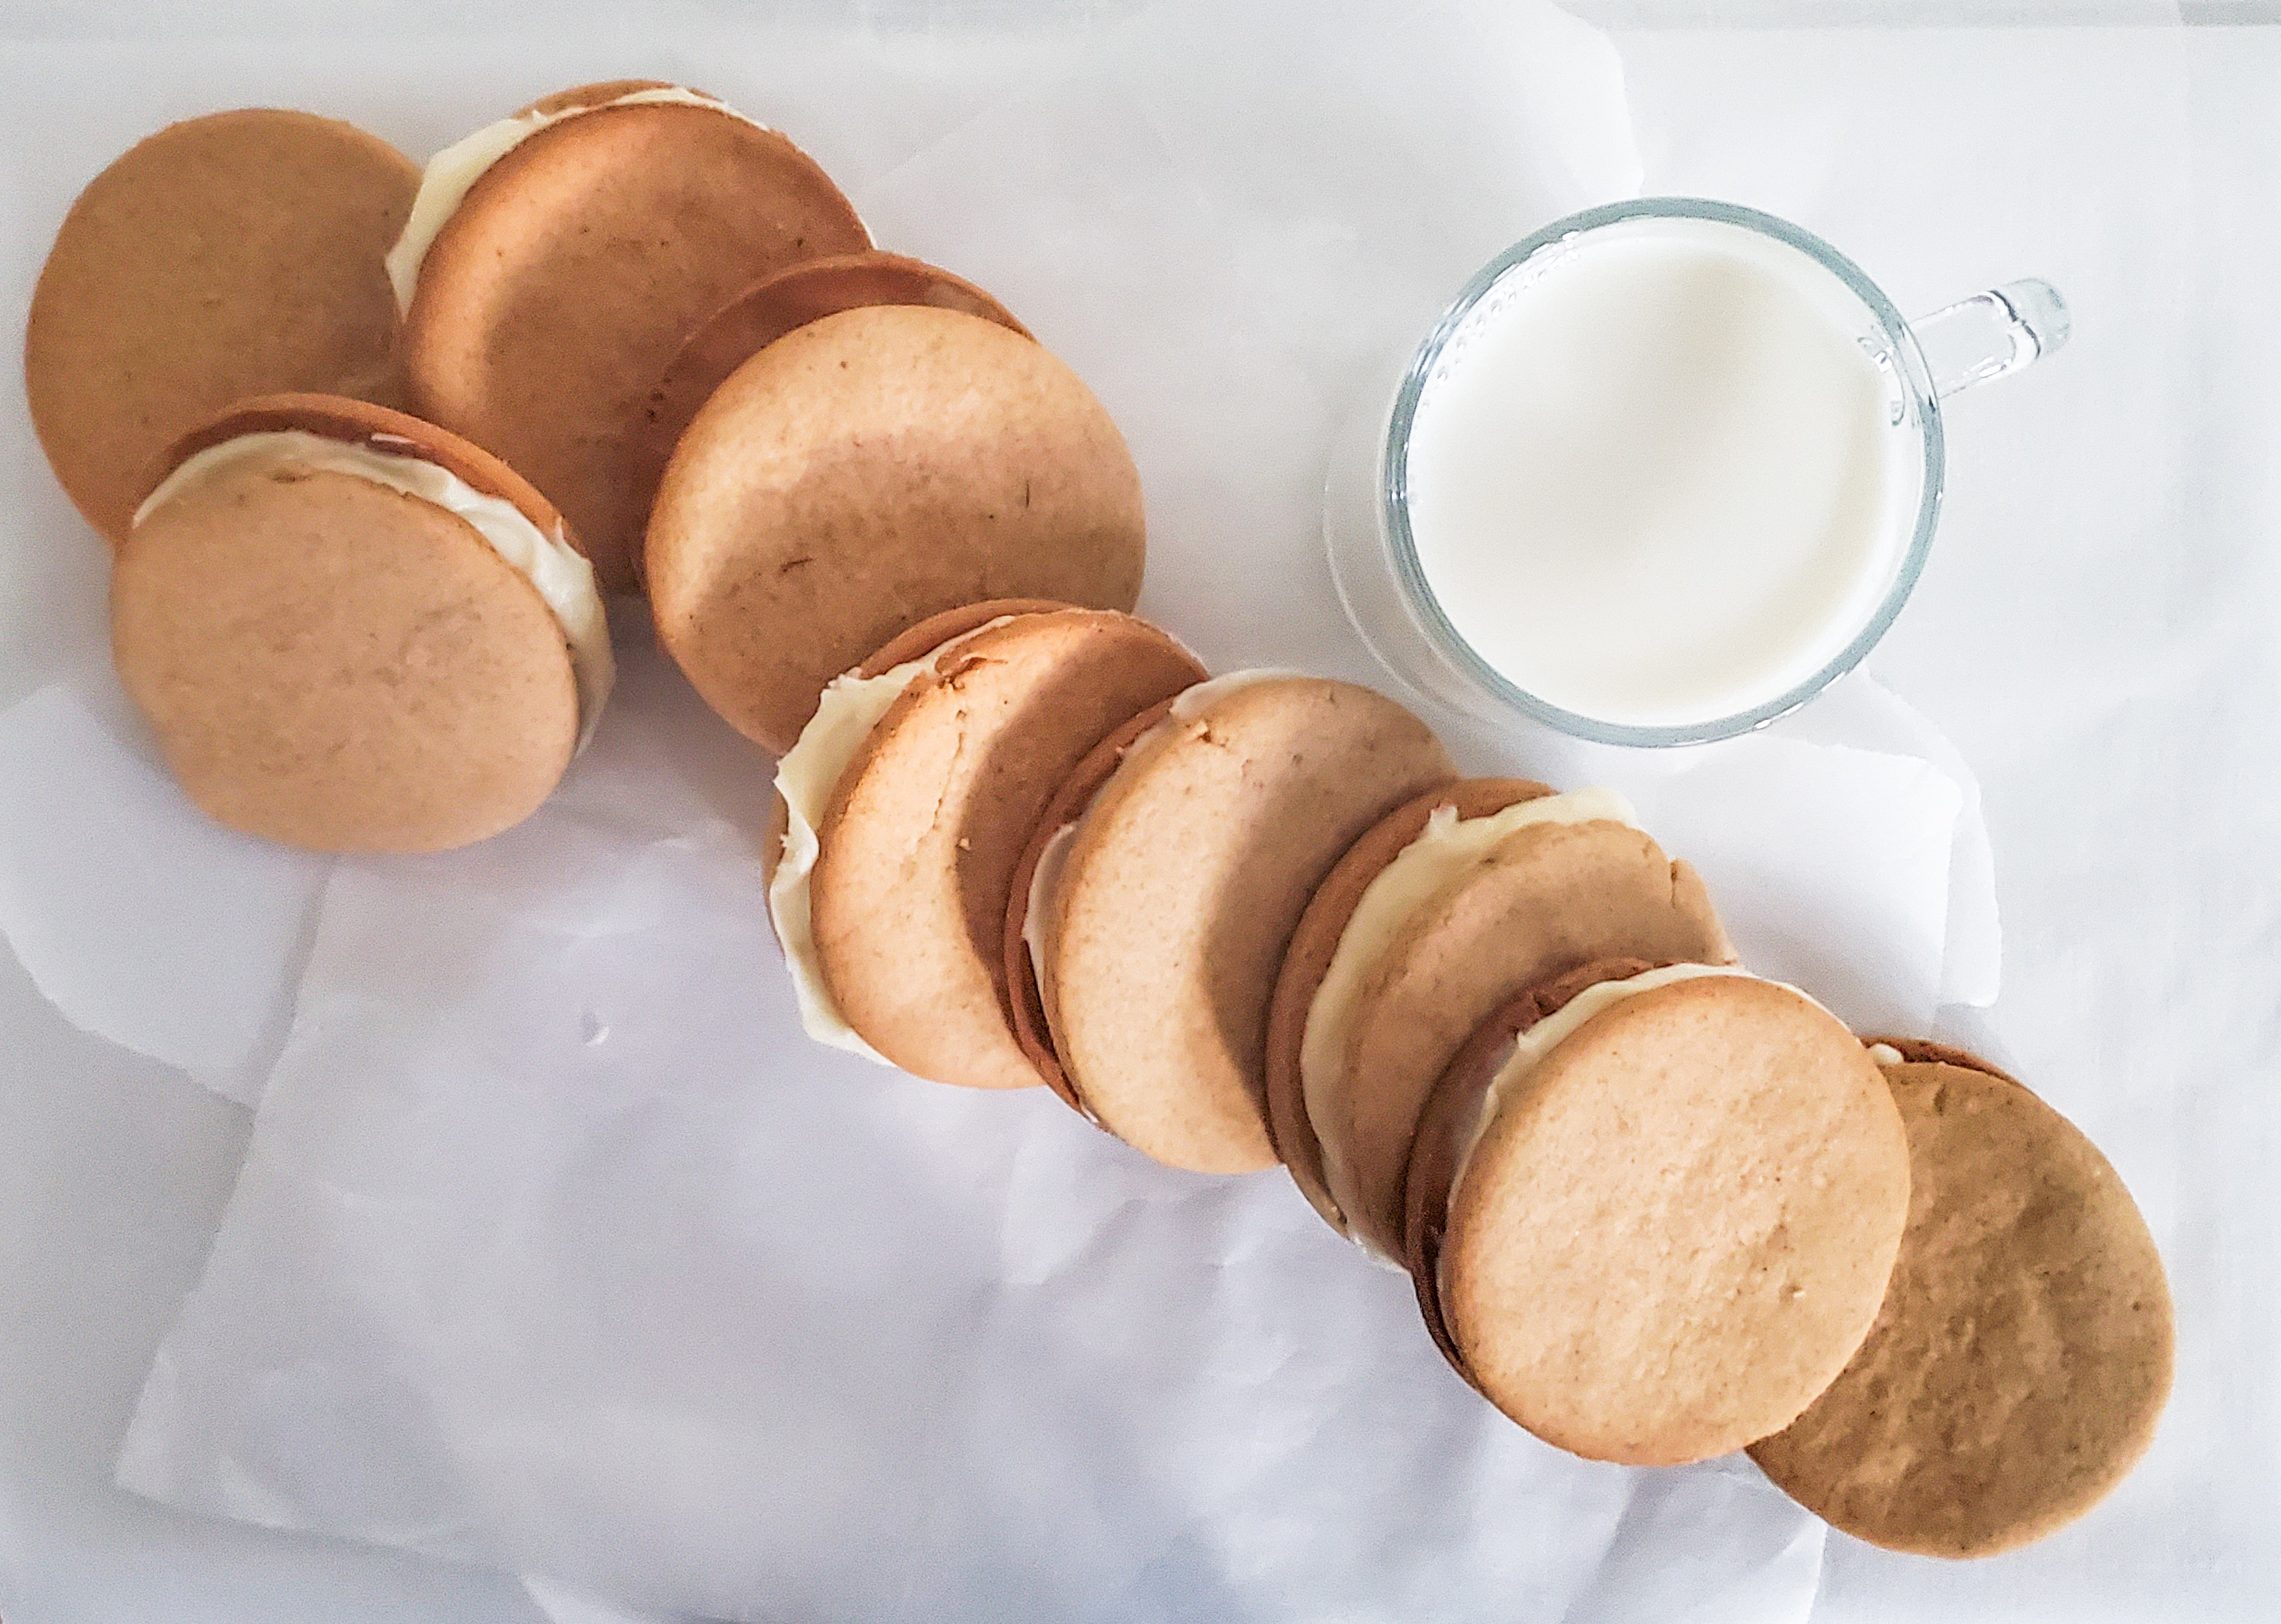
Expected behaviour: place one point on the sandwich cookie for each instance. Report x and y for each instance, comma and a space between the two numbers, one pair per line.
2025, 1348
864, 472
773, 307
352, 631
1651, 1213
555, 261
1426, 937
231, 256
1160, 892
1323, 928
910, 799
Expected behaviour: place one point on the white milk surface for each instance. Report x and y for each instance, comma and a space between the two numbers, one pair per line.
1654, 479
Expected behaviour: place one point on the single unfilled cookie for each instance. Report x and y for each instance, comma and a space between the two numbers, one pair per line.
1316, 942
568, 276
918, 850
773, 307
1182, 884
1674, 1226
1550, 898
227, 257
336, 664
2024, 1351
870, 469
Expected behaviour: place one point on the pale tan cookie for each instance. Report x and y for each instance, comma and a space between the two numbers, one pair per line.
338, 665
1452, 1116
1315, 942
227, 257
565, 281
930, 820
866, 471
2025, 1348
773, 307
1067, 803
1674, 1228
909, 644
1550, 898
1180, 889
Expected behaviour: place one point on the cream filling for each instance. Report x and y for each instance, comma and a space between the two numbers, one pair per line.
1886, 1054
560, 572
452, 173
1444, 849
1187, 706
805, 777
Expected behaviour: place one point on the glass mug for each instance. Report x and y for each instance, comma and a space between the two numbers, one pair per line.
1385, 579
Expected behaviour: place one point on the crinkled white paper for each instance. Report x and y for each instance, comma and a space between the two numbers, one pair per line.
557, 1249
139, 917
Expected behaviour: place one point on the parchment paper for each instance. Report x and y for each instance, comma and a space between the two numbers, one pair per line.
557, 1249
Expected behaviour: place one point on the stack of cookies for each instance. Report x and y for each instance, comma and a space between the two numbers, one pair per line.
1655, 1208
374, 447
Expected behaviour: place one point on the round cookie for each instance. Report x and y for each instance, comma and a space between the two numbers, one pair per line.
929, 821
336, 664
1550, 898
1676, 1225
1447, 1123
1315, 942
773, 307
2025, 1348
1180, 887
1067, 805
870, 469
555, 294
227, 257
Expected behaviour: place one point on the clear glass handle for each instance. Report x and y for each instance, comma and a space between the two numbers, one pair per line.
1992, 334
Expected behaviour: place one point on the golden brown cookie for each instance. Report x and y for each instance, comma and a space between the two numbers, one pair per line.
1180, 888
566, 279
1453, 1113
1676, 1224
227, 257
333, 662
773, 307
919, 847
2024, 1351
1316, 940
1550, 898
866, 471
1063, 809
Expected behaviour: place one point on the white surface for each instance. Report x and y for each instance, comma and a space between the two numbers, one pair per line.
1658, 477
590, 1272
2120, 686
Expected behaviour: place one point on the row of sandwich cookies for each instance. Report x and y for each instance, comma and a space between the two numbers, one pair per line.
354, 628
1655, 1208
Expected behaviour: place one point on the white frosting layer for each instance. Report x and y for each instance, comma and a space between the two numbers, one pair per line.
1886, 1054
452, 173
805, 777
1445, 849
560, 572
1043, 882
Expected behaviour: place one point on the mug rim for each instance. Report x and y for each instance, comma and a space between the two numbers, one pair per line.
1393, 474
